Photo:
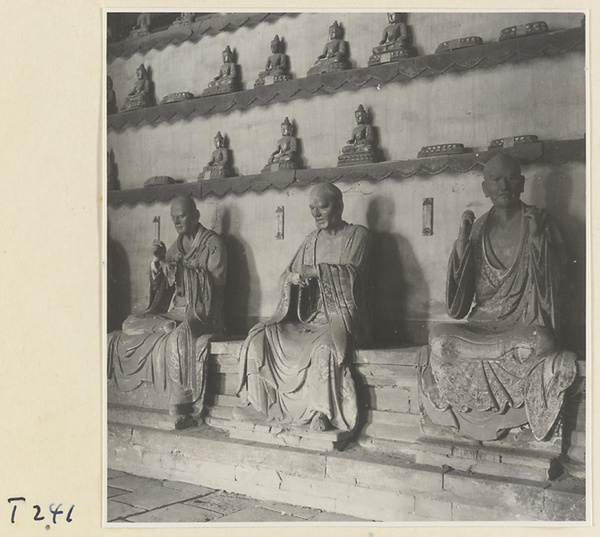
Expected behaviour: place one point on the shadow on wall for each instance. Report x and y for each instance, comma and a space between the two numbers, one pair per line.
241, 277
557, 185
118, 289
396, 278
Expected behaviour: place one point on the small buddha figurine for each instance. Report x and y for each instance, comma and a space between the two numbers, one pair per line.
184, 19
227, 79
111, 97
277, 66
359, 148
220, 163
335, 53
396, 42
142, 27
139, 96
285, 156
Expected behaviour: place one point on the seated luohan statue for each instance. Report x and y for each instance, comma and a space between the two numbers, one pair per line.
227, 79
139, 96
220, 163
359, 149
277, 68
335, 53
295, 365
502, 369
285, 156
396, 42
167, 345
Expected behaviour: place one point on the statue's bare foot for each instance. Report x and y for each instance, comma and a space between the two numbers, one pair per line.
320, 423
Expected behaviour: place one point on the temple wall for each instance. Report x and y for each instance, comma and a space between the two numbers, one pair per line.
545, 96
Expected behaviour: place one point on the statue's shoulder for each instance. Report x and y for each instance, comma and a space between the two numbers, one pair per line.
479, 225
358, 232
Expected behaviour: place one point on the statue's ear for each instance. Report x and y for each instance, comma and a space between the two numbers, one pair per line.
484, 188
521, 184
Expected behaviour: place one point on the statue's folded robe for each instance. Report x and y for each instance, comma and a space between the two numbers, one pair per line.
169, 349
502, 369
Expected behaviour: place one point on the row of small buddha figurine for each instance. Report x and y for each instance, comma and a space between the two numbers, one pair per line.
396, 43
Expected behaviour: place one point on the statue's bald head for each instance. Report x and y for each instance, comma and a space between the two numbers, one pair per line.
185, 215
502, 164
326, 205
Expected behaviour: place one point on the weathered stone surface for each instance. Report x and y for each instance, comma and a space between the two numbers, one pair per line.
258, 514
392, 432
467, 512
433, 509
153, 497
565, 499
145, 417
232, 348
294, 462
334, 517
326, 488
114, 491
394, 399
254, 476
181, 513
187, 487
116, 510
111, 474
134, 482
520, 500
221, 503
384, 476
383, 505
304, 513
400, 419
400, 356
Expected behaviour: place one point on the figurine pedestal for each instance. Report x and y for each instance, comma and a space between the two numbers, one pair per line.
387, 56
271, 79
276, 166
352, 159
220, 89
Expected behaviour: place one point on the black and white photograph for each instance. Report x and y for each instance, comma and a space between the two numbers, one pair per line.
346, 267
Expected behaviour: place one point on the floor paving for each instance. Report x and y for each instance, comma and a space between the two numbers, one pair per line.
136, 499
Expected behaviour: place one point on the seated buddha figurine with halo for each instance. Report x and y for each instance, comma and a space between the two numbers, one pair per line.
139, 96
335, 53
285, 156
227, 81
220, 163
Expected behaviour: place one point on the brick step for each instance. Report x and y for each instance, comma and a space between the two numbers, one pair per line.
145, 417
356, 482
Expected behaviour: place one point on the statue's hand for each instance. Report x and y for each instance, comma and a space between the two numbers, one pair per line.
159, 250
464, 232
537, 220
308, 272
297, 279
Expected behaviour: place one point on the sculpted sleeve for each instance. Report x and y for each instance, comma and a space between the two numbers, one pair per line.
460, 282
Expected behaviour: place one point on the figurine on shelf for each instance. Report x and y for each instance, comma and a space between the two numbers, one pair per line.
285, 157
111, 97
227, 79
277, 66
220, 163
139, 96
335, 53
142, 27
396, 42
185, 19
360, 148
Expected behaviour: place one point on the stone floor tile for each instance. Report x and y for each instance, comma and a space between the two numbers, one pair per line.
114, 491
111, 474
178, 512
325, 516
133, 482
153, 497
258, 514
223, 503
198, 490
116, 510
288, 509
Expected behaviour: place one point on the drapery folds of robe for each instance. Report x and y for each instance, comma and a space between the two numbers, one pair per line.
502, 369
297, 363
167, 345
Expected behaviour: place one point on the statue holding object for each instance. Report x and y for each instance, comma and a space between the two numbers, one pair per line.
220, 163
294, 368
277, 68
504, 367
396, 42
285, 156
167, 345
227, 79
139, 96
360, 148
335, 53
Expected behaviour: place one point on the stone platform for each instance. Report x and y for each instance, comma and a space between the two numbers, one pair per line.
406, 474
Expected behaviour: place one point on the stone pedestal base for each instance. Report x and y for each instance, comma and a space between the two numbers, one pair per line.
352, 159
220, 89
271, 79
276, 166
381, 55
214, 174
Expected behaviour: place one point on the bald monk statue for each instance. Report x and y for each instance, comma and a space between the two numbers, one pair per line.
502, 369
167, 344
295, 365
